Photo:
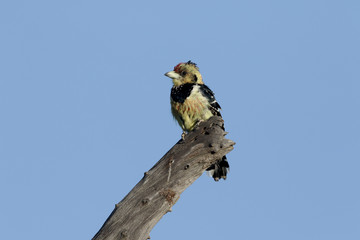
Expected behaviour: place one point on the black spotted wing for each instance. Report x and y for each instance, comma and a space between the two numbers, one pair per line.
214, 105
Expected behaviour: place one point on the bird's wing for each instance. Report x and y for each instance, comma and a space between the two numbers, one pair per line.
214, 105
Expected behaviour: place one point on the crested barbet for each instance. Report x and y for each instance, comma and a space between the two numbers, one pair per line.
193, 102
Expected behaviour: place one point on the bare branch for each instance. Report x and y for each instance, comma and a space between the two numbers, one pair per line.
160, 188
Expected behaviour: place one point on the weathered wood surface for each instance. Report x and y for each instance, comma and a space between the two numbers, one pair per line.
160, 188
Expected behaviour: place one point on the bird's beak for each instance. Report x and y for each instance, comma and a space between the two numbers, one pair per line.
172, 74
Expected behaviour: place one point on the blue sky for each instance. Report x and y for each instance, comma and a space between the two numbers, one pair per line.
85, 112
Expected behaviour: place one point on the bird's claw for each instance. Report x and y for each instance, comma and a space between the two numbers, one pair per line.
183, 135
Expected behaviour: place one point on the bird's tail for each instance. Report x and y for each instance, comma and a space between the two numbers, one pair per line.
219, 169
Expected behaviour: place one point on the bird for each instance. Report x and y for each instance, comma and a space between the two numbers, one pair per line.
193, 102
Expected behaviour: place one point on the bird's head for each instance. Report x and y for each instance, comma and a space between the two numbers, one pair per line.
185, 73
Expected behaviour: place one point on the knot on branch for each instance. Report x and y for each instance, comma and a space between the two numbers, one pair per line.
169, 195
124, 234
145, 201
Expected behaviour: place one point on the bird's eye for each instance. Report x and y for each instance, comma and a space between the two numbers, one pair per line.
183, 73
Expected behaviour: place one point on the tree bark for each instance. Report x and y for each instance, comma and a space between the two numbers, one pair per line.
160, 188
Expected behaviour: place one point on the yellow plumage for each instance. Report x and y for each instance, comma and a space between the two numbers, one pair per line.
195, 108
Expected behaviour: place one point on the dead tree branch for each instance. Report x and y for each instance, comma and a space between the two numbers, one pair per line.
160, 188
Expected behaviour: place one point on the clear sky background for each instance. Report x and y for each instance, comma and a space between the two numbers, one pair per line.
84, 112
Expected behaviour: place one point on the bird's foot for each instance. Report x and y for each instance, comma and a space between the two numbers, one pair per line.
183, 136
199, 122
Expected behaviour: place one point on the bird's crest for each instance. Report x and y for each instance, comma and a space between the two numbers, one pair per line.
177, 67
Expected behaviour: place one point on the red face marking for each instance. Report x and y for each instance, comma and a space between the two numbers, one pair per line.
177, 68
